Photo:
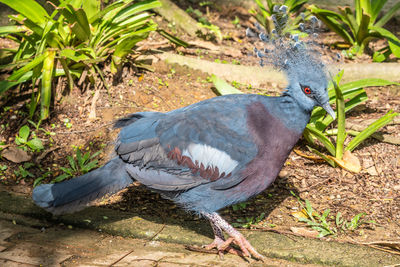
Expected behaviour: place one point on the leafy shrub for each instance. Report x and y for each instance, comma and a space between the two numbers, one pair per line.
317, 128
359, 27
83, 164
265, 15
22, 139
78, 35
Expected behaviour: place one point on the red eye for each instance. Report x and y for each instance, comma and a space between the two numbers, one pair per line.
307, 90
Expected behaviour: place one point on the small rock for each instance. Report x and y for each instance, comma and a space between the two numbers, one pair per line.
283, 173
372, 171
396, 187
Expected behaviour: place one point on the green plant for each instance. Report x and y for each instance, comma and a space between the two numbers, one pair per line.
80, 165
265, 15
23, 170
77, 35
203, 22
359, 27
239, 206
22, 139
321, 222
67, 123
317, 128
2, 169
38, 128
45, 175
248, 221
353, 224
236, 22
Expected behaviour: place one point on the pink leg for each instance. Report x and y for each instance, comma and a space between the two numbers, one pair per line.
218, 224
220, 244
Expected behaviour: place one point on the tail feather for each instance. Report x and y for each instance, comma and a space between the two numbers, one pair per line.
75, 194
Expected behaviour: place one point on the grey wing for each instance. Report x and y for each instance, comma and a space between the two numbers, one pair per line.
148, 162
188, 147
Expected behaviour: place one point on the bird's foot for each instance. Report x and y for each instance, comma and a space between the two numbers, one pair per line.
247, 249
219, 224
223, 247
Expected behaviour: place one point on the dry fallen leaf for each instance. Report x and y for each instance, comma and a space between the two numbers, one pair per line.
348, 162
302, 214
304, 155
16, 155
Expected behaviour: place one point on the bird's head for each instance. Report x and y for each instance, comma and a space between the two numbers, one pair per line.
308, 82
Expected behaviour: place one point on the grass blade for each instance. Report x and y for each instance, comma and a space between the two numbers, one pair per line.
173, 39
322, 138
372, 128
390, 13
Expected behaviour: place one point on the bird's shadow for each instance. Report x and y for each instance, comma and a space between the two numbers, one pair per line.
137, 200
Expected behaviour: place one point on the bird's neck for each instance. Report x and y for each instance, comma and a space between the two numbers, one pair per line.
291, 113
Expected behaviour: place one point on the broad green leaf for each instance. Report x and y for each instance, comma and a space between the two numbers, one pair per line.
133, 21
394, 42
351, 20
294, 5
134, 9
372, 128
332, 20
73, 55
107, 13
223, 87
24, 133
382, 54
91, 8
352, 86
5, 85
4, 30
16, 75
79, 23
30, 9
366, 6
363, 29
35, 144
263, 10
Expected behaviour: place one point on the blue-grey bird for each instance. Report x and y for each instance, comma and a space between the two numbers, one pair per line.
208, 155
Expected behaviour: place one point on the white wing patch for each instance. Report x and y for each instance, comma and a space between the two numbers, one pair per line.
210, 157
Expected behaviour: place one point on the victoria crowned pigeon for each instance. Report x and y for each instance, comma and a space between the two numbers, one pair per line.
208, 155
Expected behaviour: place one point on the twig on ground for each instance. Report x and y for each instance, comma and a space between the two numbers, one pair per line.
89, 130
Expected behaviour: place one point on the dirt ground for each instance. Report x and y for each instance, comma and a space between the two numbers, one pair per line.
375, 191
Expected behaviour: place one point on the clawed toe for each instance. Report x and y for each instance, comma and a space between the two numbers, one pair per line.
246, 250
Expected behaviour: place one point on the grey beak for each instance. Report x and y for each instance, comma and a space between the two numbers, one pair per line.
329, 109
